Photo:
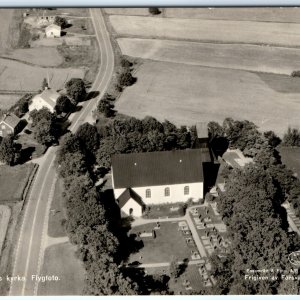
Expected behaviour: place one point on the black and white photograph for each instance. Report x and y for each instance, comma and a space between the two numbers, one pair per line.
149, 151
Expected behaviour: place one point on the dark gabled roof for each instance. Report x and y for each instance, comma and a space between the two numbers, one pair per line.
126, 195
159, 168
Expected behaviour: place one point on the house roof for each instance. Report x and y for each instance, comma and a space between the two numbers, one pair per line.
53, 26
159, 168
11, 120
128, 194
49, 96
236, 158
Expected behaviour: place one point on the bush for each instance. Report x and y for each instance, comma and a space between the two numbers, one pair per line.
154, 11
126, 79
295, 74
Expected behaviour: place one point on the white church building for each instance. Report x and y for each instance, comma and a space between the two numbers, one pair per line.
141, 179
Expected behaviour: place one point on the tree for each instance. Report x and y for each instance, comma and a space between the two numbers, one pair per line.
63, 105
8, 150
44, 132
126, 79
60, 21
45, 84
76, 89
291, 137
42, 114
106, 107
154, 11
174, 268
88, 136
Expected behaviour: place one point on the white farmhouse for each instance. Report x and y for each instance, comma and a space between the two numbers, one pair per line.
52, 31
141, 179
47, 99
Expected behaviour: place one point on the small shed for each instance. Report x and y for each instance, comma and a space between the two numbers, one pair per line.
53, 31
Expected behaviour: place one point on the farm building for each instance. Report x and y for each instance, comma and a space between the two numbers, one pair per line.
141, 179
9, 124
53, 31
46, 99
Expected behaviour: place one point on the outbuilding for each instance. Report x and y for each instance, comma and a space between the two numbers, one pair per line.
53, 31
9, 124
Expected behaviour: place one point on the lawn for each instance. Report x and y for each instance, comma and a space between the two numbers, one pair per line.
81, 56
210, 94
30, 147
60, 260
80, 26
291, 158
234, 56
246, 32
56, 216
13, 181
15, 75
169, 242
41, 56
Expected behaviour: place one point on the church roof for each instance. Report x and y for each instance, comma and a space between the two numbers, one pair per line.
159, 168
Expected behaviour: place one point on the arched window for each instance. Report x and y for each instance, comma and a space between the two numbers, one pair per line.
167, 192
148, 193
186, 190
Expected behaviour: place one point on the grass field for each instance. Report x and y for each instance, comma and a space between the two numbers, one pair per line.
5, 213
245, 57
60, 260
186, 94
56, 217
6, 18
13, 181
259, 33
291, 158
262, 14
168, 242
6, 101
18, 76
134, 11
42, 56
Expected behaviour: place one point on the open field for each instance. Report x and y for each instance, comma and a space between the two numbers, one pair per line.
134, 11
291, 158
6, 101
245, 57
168, 242
19, 76
4, 220
259, 33
60, 260
13, 181
6, 18
163, 91
42, 56
56, 216
262, 14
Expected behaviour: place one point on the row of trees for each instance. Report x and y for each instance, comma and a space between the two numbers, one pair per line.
126, 135
87, 224
251, 208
